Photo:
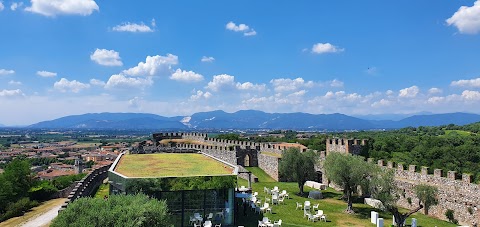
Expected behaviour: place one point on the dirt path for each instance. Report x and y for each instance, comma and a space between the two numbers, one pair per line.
39, 216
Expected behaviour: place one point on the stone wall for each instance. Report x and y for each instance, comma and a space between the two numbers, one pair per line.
87, 185
269, 164
459, 195
352, 146
64, 192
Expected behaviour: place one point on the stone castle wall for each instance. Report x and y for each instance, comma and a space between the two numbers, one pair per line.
459, 195
269, 164
87, 185
351, 146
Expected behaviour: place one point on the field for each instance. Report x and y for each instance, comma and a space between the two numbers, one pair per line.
459, 132
170, 164
332, 206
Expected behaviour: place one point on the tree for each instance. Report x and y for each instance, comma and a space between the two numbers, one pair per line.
297, 166
348, 172
383, 188
426, 195
117, 210
19, 175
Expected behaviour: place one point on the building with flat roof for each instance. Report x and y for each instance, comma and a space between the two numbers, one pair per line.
189, 182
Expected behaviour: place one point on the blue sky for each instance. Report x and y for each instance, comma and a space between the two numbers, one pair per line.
63, 57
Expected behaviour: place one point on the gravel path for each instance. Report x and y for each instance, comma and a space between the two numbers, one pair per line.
43, 219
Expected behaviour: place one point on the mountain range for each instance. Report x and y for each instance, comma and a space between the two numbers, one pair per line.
248, 119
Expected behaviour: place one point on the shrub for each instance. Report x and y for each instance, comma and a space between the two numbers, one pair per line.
409, 200
117, 210
42, 191
450, 216
18, 208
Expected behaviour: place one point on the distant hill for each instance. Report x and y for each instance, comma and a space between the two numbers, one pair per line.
249, 119
112, 121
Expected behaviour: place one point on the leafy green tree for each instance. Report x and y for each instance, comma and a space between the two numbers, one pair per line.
43, 190
117, 210
297, 166
19, 175
426, 195
383, 188
348, 172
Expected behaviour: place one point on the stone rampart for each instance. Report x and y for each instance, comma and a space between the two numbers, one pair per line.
459, 195
269, 164
87, 185
351, 146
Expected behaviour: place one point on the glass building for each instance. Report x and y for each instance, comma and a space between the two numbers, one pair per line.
196, 187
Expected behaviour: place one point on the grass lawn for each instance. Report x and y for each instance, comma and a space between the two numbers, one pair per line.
102, 191
260, 174
170, 164
459, 132
332, 206
34, 212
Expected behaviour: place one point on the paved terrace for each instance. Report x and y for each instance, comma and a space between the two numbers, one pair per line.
171, 165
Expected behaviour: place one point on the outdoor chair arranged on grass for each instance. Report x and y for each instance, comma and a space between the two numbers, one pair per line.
319, 214
192, 220
323, 218
207, 224
196, 225
267, 200
306, 205
280, 200
265, 220
198, 217
284, 194
266, 208
218, 225
261, 224
210, 216
277, 223
306, 213
274, 199
265, 189
315, 207
299, 205
312, 217
255, 194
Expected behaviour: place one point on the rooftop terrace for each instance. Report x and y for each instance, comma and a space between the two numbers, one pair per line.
171, 165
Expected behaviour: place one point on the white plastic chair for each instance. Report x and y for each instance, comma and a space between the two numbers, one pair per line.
299, 205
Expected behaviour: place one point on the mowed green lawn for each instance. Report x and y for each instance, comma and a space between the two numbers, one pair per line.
170, 164
332, 206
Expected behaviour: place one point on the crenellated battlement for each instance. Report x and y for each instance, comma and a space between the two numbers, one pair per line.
351, 146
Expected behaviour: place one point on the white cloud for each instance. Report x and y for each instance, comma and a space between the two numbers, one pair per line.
52, 8
186, 76
4, 72
435, 100
135, 102
409, 92
1, 6
389, 92
64, 85
132, 27
106, 57
250, 86
323, 48
96, 82
200, 95
207, 59
471, 95
121, 81
153, 22
220, 82
466, 83
336, 83
286, 84
46, 74
13, 82
11, 93
247, 31
466, 19
382, 103
153, 66
434, 90
16, 5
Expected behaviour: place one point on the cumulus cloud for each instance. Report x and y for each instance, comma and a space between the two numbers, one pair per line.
466, 83
336, 83
16, 5
286, 84
135, 102
471, 95
200, 95
186, 76
52, 8
11, 93
381, 103
434, 90
121, 81
409, 92
5, 72
13, 82
207, 59
250, 86
1, 6
64, 85
221, 81
435, 100
466, 19
96, 82
106, 57
245, 29
46, 74
133, 27
323, 48
153, 66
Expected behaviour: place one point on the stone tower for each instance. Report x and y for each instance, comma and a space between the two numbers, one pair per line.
78, 167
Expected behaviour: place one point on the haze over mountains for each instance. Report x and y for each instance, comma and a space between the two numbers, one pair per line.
248, 119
